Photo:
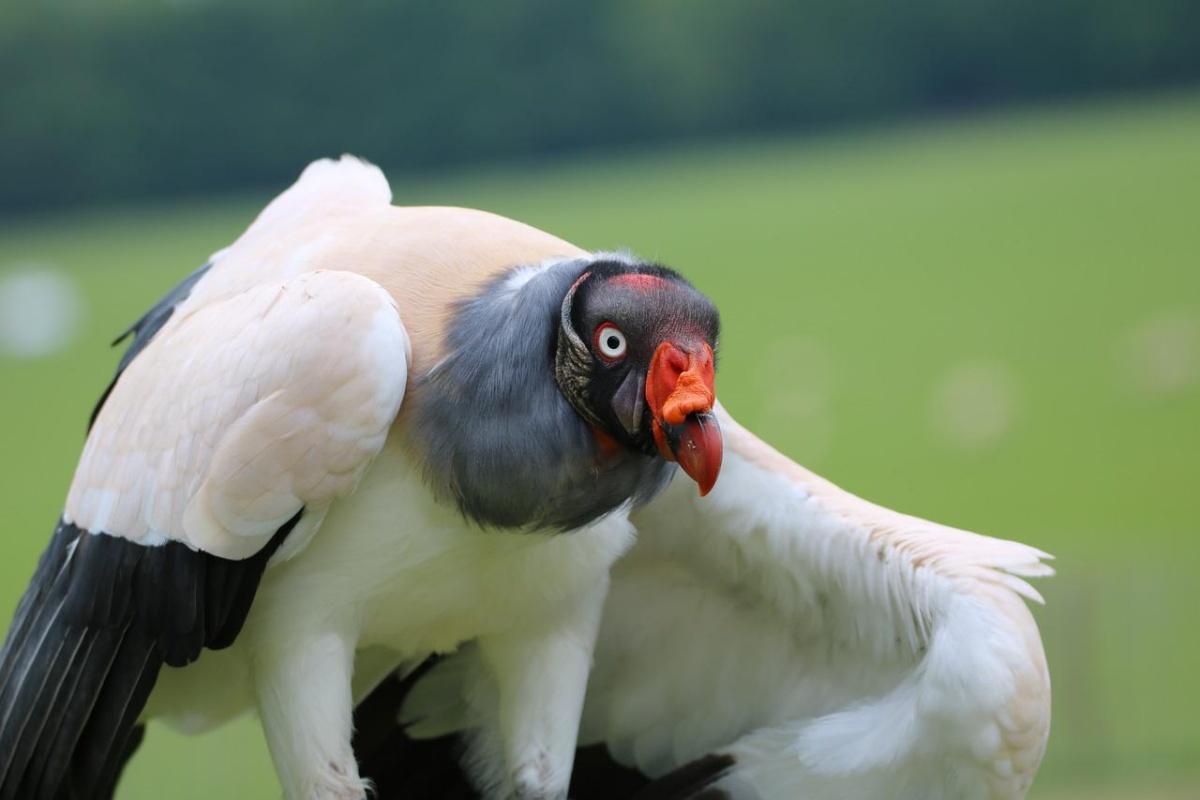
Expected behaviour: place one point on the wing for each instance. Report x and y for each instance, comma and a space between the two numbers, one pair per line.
243, 412
827, 646
250, 403
779, 638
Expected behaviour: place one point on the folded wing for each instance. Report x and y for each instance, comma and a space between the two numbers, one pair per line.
252, 397
243, 411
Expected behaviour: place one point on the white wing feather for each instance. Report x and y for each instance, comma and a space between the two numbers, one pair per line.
835, 648
270, 388
242, 412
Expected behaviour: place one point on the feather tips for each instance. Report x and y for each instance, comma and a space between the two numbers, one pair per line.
893, 561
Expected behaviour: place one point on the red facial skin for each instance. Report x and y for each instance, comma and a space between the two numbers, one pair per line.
680, 393
640, 281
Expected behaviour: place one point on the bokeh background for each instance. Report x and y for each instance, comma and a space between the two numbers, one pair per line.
956, 246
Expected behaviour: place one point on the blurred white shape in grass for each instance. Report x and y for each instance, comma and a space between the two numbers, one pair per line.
41, 309
1161, 356
975, 404
796, 382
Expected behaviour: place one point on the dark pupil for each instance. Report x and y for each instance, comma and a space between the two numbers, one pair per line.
612, 342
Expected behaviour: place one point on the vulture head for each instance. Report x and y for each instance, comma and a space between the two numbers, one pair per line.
567, 390
635, 358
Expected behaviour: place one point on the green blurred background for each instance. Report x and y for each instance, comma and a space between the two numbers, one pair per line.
956, 247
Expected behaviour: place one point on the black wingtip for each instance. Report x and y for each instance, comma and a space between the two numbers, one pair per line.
99, 619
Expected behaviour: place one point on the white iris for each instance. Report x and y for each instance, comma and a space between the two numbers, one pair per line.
612, 342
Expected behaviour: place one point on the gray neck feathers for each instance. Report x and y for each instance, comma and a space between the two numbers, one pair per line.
497, 436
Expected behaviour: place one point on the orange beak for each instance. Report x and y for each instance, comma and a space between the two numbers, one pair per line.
679, 391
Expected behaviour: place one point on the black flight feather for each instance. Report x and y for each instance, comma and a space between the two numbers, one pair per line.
99, 630
403, 768
31, 603
97, 622
397, 765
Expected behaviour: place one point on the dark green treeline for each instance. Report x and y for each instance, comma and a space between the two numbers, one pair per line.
147, 98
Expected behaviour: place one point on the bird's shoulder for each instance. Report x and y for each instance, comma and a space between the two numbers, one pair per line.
338, 216
238, 413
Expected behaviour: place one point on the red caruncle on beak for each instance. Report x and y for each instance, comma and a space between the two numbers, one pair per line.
680, 393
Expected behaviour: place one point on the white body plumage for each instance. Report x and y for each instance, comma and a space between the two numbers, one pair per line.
397, 577
831, 648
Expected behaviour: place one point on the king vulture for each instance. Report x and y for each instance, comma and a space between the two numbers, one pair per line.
777, 639
359, 436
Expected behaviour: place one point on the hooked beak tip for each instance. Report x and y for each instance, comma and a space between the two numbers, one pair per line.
696, 444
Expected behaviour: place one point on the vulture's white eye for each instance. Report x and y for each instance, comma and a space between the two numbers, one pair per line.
610, 342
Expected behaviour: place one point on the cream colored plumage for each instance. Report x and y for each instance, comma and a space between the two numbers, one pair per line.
272, 392
287, 413
835, 649
292, 289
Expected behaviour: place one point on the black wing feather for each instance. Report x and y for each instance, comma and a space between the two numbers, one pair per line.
69, 715
31, 604
82, 668
397, 765
99, 619
403, 768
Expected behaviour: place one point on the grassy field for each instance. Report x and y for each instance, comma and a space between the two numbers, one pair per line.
994, 323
